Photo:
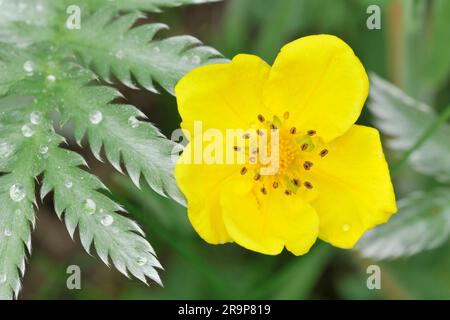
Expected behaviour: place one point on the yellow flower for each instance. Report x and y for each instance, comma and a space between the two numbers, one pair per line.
332, 183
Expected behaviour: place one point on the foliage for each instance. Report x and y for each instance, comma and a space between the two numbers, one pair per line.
48, 67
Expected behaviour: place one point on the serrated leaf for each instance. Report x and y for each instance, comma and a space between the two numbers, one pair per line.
421, 223
16, 221
109, 46
116, 238
404, 120
140, 145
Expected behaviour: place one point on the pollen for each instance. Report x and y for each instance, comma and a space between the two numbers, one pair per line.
311, 132
260, 118
243, 170
308, 185
307, 165
323, 153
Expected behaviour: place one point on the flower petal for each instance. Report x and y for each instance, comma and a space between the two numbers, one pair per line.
321, 82
266, 223
201, 184
355, 189
223, 95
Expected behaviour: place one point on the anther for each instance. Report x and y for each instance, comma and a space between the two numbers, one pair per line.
257, 177
287, 192
263, 190
246, 136
259, 132
308, 185
275, 185
296, 182
260, 118
273, 127
243, 170
307, 165
311, 132
236, 148
323, 153
286, 115
305, 146
293, 130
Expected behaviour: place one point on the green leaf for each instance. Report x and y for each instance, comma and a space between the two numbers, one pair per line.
110, 45
404, 120
144, 5
116, 128
116, 238
421, 223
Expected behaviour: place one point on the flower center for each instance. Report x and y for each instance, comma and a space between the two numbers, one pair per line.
279, 155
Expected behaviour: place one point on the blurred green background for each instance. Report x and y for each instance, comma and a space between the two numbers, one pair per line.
398, 52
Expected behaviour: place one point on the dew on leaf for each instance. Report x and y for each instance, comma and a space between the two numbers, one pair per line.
17, 192
157, 49
141, 261
8, 233
28, 66
51, 78
27, 131
89, 206
68, 184
2, 278
96, 117
36, 117
43, 149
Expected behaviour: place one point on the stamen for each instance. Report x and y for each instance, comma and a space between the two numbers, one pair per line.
296, 182
305, 146
307, 165
236, 148
243, 170
263, 190
323, 153
259, 132
246, 136
286, 115
273, 127
308, 185
260, 118
293, 130
255, 151
275, 185
257, 177
287, 192
311, 132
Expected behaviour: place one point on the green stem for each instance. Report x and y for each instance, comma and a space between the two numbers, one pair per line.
445, 115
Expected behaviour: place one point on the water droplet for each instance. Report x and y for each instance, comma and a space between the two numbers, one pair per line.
43, 149
5, 150
196, 59
8, 233
36, 117
133, 122
157, 49
28, 66
120, 54
18, 212
2, 278
27, 131
346, 227
51, 78
17, 192
89, 206
96, 117
141, 261
107, 220
68, 184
